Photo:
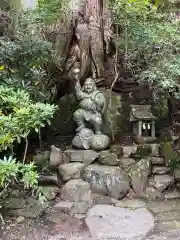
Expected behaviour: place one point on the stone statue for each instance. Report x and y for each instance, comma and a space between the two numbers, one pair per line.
92, 107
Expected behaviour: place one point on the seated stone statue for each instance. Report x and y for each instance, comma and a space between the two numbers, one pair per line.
92, 108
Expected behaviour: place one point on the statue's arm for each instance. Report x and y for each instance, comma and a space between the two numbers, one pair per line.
78, 90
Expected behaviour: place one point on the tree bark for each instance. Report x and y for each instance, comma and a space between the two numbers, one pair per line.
88, 38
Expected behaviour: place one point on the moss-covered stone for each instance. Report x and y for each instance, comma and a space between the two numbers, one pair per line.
115, 114
143, 150
63, 123
171, 157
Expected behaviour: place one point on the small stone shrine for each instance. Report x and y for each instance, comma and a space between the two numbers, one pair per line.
143, 121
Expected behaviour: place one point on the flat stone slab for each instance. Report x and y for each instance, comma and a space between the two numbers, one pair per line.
131, 204
160, 170
167, 216
84, 156
164, 206
107, 222
168, 226
173, 235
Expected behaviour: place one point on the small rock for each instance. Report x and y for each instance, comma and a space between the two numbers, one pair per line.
155, 148
168, 216
156, 160
100, 199
129, 150
139, 176
162, 182
117, 149
131, 194
108, 158
107, 180
56, 156
110, 222
100, 142
48, 179
64, 206
174, 194
130, 203
80, 207
50, 192
80, 216
126, 163
31, 209
160, 170
152, 193
20, 219
168, 225
77, 190
177, 174
42, 158
71, 170
84, 156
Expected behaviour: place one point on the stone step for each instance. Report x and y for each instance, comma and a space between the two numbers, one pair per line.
162, 182
83, 156
157, 160
160, 170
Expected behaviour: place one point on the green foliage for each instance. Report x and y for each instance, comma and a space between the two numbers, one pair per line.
13, 173
19, 116
51, 11
23, 64
150, 40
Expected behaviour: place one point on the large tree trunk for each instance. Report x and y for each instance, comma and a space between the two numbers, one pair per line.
86, 42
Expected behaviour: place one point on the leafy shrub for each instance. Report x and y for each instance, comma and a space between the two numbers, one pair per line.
23, 64
19, 116
150, 40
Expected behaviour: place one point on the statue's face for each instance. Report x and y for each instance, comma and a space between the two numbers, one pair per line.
89, 86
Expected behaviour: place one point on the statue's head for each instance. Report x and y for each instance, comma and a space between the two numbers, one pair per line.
89, 85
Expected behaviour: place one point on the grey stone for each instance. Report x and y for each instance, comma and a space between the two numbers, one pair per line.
168, 216
131, 203
64, 206
174, 194
108, 158
162, 182
20, 219
48, 179
152, 193
107, 180
100, 199
100, 142
80, 207
42, 158
109, 222
80, 216
172, 235
163, 206
50, 192
177, 174
155, 148
77, 190
83, 156
139, 176
156, 160
129, 150
56, 156
71, 170
126, 163
168, 225
160, 170
30, 208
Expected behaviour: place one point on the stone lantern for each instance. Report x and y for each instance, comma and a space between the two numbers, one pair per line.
143, 121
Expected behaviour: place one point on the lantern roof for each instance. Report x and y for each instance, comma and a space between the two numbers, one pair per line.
141, 112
